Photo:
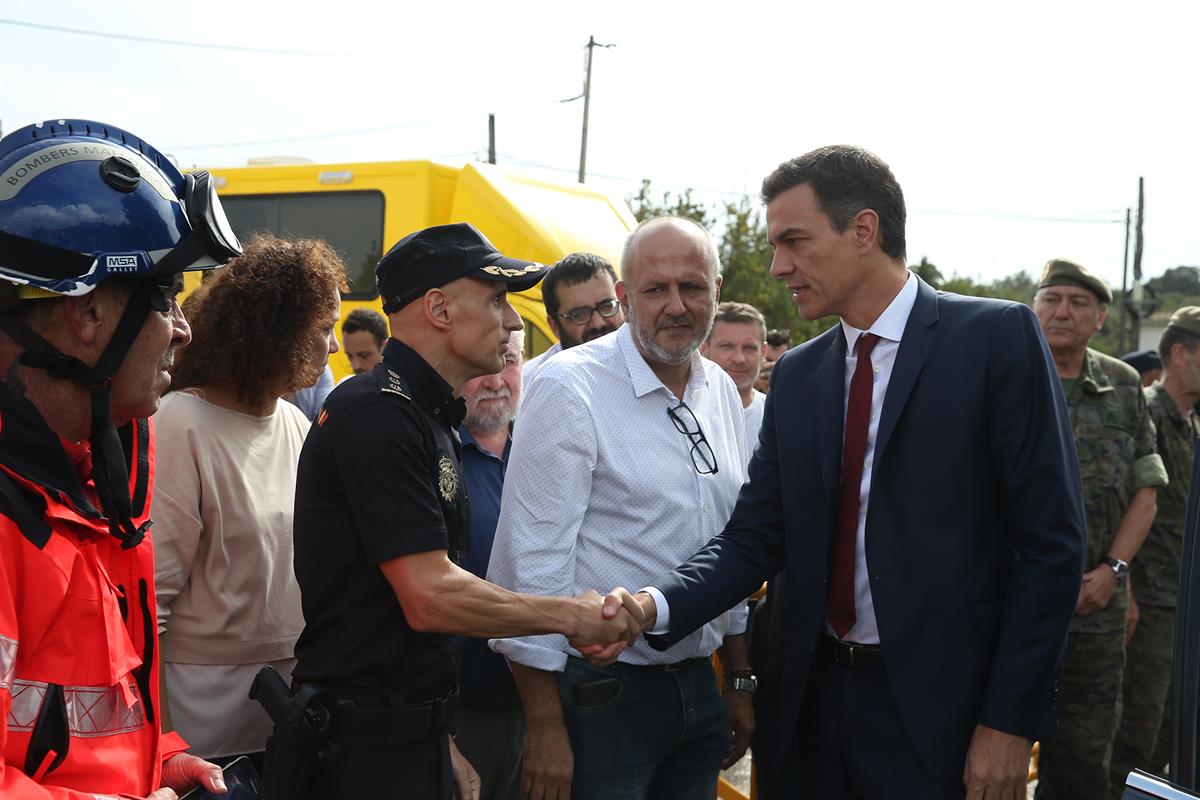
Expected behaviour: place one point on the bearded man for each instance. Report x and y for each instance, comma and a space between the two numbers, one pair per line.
629, 453
490, 728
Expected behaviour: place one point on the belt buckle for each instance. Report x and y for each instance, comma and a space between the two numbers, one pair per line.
843, 653
678, 666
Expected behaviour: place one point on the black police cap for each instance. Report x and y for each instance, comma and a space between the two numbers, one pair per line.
444, 253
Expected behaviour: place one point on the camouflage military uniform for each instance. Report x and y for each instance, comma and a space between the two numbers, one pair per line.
1155, 582
1115, 440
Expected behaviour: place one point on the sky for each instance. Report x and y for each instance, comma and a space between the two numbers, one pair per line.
1017, 130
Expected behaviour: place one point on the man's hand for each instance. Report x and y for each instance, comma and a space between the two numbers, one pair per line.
1132, 615
997, 765
548, 762
640, 607
603, 628
466, 779
740, 708
163, 794
183, 772
1096, 591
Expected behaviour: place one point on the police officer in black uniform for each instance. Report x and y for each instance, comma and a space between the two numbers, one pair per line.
381, 523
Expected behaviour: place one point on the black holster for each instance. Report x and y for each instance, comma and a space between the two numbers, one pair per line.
301, 738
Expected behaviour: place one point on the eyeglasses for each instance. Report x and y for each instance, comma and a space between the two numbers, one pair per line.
583, 314
703, 458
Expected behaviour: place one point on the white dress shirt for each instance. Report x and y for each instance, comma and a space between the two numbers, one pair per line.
533, 365
754, 414
601, 490
889, 327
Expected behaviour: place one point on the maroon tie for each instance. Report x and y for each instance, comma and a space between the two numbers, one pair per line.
840, 610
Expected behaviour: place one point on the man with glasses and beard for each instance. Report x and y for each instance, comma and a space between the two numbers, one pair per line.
581, 304
629, 454
489, 726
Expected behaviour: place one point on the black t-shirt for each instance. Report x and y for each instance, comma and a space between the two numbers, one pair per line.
379, 478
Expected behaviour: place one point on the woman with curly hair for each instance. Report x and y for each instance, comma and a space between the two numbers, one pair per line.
228, 448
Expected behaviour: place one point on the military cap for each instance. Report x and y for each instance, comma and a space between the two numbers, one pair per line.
444, 253
1060, 272
1186, 319
1143, 360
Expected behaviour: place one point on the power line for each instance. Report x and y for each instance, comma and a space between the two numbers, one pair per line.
327, 135
1012, 215
625, 178
358, 131
198, 45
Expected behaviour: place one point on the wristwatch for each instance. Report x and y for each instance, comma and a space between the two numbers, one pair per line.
741, 683
1120, 568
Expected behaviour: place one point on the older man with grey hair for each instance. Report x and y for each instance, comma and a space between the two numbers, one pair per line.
628, 455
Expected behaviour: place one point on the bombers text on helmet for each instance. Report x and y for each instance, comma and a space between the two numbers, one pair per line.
82, 202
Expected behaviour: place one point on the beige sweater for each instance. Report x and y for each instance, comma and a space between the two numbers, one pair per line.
224, 492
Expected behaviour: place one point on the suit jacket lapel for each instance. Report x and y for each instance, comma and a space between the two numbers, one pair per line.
918, 340
831, 410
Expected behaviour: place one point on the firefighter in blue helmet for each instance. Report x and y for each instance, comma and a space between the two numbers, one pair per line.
96, 229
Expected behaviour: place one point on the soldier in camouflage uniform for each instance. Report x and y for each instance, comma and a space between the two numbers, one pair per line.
1121, 473
1155, 573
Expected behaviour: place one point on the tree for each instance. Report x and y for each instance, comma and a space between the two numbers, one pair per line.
927, 272
644, 206
1177, 280
746, 272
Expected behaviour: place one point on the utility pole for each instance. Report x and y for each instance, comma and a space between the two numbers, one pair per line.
1137, 267
587, 101
491, 138
1121, 310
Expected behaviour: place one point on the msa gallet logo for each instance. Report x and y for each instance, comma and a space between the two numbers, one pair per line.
121, 263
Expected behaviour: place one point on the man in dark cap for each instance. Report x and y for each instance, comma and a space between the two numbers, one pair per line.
1121, 472
1147, 363
382, 516
1155, 574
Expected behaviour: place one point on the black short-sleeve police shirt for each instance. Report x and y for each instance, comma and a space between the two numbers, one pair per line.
379, 478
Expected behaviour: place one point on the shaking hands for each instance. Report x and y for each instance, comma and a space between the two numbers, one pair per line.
607, 625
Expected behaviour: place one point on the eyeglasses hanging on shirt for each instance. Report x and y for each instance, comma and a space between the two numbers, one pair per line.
703, 458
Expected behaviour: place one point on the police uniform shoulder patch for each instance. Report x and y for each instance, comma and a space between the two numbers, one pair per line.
393, 385
447, 479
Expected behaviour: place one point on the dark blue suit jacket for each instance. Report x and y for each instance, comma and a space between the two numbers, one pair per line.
975, 531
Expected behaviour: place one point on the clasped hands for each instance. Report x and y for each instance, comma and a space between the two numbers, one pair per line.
606, 625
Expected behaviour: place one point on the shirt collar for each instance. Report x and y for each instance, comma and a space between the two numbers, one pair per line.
469, 440
642, 376
1170, 407
891, 323
1093, 378
429, 389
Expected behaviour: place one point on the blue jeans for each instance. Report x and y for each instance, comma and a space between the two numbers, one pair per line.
642, 732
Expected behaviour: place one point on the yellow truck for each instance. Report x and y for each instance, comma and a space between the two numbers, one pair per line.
362, 209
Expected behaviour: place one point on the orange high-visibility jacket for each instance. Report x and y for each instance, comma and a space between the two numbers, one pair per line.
78, 630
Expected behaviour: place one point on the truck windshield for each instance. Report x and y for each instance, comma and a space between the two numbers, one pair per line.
351, 223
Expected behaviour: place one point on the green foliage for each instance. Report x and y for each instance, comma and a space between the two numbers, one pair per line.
746, 272
1175, 288
927, 272
645, 207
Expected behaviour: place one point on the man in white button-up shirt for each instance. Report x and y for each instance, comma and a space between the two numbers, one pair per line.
737, 345
628, 456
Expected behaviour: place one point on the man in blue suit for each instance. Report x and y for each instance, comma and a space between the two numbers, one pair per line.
916, 480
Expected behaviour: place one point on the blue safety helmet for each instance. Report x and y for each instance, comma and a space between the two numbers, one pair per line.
82, 201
